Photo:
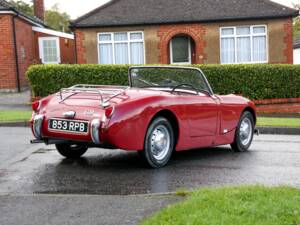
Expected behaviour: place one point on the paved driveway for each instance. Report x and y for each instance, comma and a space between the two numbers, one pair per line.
15, 101
40, 176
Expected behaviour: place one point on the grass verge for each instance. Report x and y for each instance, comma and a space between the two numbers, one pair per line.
234, 205
278, 122
14, 115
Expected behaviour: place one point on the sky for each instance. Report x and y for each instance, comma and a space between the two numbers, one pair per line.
76, 8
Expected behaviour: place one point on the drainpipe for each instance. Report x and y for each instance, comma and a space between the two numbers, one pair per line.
16, 53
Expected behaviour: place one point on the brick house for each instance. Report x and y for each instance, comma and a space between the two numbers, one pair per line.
26, 40
185, 31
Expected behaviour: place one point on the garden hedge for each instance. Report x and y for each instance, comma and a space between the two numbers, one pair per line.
253, 81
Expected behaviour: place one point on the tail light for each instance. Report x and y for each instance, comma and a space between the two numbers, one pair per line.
36, 106
109, 112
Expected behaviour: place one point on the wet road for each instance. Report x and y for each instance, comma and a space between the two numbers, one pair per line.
38, 186
13, 142
273, 160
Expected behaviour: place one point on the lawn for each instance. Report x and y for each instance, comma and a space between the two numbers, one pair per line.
278, 122
14, 115
254, 205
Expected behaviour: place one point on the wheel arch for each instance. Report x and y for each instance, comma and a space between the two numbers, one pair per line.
171, 117
251, 110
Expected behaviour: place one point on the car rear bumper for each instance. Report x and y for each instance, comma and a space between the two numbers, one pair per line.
44, 135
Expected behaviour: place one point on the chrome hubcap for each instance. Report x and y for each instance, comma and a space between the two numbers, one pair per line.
160, 142
245, 131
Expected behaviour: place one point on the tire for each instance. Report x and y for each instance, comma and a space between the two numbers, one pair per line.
159, 143
71, 151
244, 133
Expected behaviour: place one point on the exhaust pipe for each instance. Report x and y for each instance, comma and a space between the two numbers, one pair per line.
49, 141
36, 141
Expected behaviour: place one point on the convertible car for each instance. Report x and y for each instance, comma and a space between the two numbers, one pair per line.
164, 109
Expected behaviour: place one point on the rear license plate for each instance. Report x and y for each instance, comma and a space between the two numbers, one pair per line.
68, 125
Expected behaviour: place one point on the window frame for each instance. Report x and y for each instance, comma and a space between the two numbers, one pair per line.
251, 35
41, 49
113, 42
189, 52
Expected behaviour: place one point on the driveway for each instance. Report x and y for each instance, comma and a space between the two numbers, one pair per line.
108, 185
15, 101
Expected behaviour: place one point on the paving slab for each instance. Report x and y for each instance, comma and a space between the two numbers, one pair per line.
79, 209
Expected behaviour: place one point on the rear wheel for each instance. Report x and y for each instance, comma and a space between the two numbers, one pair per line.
244, 133
71, 151
159, 143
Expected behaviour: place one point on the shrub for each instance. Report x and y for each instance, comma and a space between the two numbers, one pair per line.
262, 81
48, 79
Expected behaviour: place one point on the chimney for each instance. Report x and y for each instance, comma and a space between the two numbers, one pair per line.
39, 9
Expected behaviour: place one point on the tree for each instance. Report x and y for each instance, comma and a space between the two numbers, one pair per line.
57, 20
22, 7
297, 23
53, 17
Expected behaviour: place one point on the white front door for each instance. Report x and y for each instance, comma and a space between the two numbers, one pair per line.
180, 50
49, 50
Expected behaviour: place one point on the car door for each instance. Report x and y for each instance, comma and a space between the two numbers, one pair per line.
202, 114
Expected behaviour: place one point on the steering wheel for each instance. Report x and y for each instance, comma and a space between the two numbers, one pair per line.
180, 85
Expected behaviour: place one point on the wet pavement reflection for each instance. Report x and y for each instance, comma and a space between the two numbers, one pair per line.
115, 172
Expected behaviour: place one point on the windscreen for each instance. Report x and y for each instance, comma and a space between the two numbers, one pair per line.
164, 77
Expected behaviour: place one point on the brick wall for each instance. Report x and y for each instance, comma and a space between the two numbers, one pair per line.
206, 39
67, 51
39, 9
195, 31
8, 69
25, 43
27, 50
7, 59
80, 48
67, 48
288, 40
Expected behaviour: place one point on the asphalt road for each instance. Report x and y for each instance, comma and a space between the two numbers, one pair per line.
13, 142
101, 187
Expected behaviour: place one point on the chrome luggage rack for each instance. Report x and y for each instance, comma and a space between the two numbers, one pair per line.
96, 89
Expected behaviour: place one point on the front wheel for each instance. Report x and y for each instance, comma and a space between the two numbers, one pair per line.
244, 133
71, 151
159, 143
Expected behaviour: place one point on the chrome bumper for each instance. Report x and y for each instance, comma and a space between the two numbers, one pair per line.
37, 126
95, 131
38, 122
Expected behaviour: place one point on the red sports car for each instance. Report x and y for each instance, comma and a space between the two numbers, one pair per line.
164, 109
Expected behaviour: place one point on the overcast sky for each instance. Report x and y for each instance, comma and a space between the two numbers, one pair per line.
76, 8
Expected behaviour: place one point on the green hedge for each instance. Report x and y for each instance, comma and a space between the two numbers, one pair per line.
253, 81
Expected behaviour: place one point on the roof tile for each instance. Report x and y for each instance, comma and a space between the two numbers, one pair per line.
139, 12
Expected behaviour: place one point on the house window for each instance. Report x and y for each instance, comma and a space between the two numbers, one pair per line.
246, 44
180, 50
121, 48
49, 50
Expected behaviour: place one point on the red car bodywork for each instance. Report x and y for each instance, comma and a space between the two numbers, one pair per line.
198, 120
